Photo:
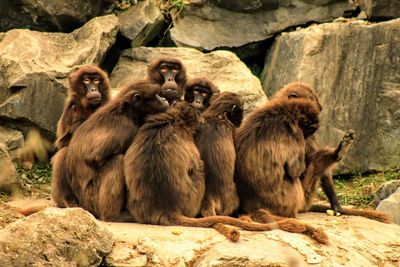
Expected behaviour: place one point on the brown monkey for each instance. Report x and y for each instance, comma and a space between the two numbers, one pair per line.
199, 91
165, 177
270, 156
320, 162
215, 143
88, 90
170, 74
93, 160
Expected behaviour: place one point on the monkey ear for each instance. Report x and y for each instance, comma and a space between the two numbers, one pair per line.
292, 95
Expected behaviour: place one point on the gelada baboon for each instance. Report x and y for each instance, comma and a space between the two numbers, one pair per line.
88, 90
171, 75
199, 91
165, 177
93, 160
217, 150
320, 162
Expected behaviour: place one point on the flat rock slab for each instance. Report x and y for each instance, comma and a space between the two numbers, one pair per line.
354, 241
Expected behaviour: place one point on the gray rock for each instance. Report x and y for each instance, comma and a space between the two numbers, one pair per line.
222, 67
55, 15
141, 22
248, 5
55, 237
391, 206
380, 9
354, 241
13, 140
9, 181
35, 67
353, 66
208, 27
385, 190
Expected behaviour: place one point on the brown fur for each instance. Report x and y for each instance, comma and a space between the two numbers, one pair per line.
93, 160
201, 86
176, 85
77, 108
321, 162
165, 176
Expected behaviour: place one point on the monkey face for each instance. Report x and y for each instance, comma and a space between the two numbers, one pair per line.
91, 82
198, 97
170, 88
149, 104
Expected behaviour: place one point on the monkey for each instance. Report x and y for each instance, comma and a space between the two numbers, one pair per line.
164, 175
93, 160
199, 91
170, 74
89, 88
321, 161
214, 141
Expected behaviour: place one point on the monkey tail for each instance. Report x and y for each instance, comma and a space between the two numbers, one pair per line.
289, 225
370, 214
30, 210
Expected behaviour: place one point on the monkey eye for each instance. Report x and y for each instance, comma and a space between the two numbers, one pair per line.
174, 70
195, 92
204, 94
293, 95
95, 80
164, 69
86, 80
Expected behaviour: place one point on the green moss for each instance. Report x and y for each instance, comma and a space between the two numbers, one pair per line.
359, 190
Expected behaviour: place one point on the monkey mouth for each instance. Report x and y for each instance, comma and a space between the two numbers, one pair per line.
94, 100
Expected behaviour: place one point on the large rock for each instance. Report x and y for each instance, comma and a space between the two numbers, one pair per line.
222, 67
354, 68
385, 190
391, 206
13, 140
35, 67
8, 175
141, 22
208, 27
380, 9
55, 237
248, 5
55, 15
354, 241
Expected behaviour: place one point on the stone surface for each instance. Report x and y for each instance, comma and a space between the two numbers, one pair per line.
13, 140
380, 9
141, 22
208, 26
354, 241
35, 67
222, 67
385, 190
54, 15
391, 205
55, 237
354, 67
8, 174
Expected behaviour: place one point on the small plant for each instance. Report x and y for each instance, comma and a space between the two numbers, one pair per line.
172, 7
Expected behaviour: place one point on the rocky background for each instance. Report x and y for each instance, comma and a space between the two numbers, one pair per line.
347, 50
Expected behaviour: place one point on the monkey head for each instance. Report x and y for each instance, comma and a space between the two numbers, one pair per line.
142, 97
90, 84
171, 75
228, 104
298, 91
199, 91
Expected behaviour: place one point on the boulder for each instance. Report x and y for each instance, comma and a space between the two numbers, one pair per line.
55, 237
380, 9
354, 241
207, 27
353, 66
222, 67
248, 5
53, 16
13, 139
9, 181
385, 190
35, 67
391, 206
141, 22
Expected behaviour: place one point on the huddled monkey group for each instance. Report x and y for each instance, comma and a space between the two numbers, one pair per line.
172, 151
